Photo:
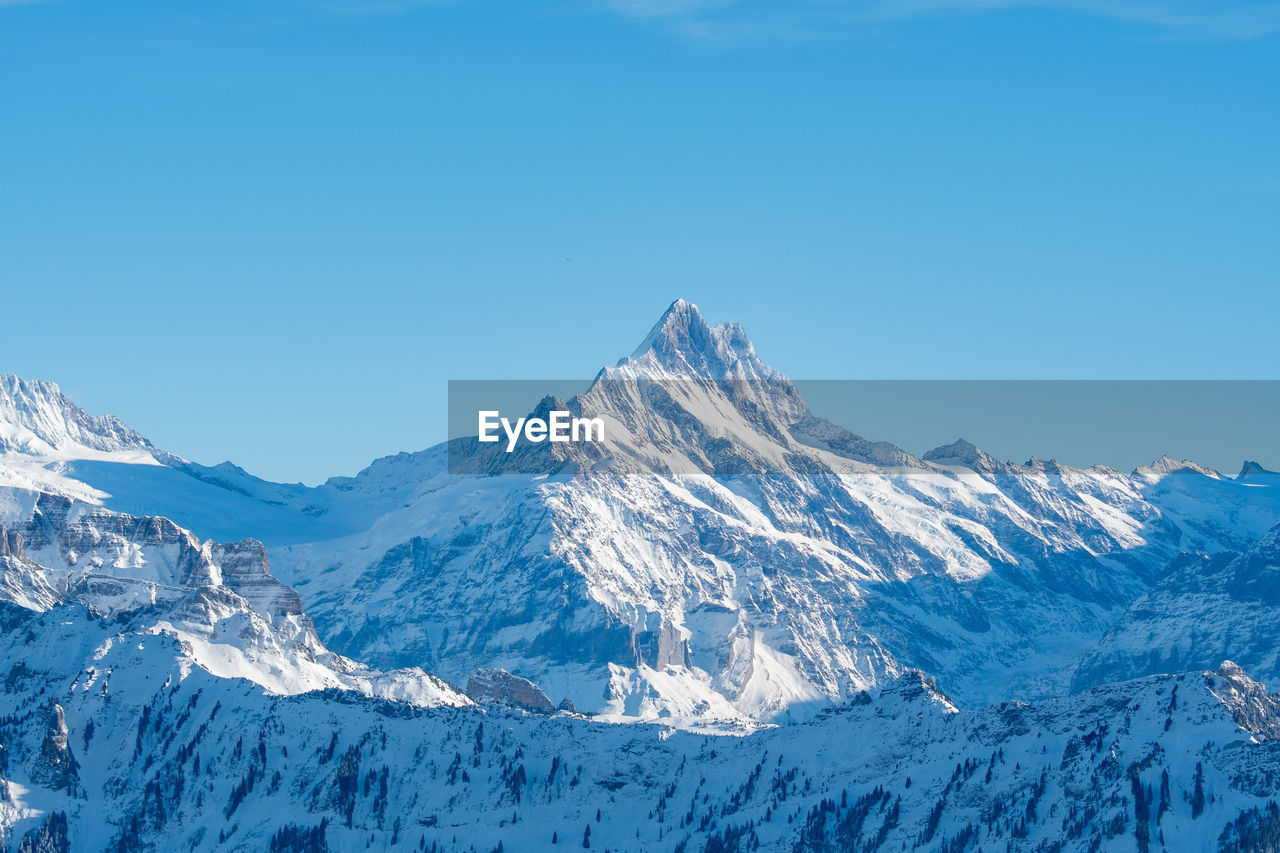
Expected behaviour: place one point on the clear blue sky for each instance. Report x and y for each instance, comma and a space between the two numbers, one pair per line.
271, 231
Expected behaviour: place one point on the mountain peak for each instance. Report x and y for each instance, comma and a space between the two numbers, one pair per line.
683, 343
1166, 465
680, 329
962, 452
37, 419
1253, 469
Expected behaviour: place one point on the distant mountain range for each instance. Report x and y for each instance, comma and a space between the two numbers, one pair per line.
733, 626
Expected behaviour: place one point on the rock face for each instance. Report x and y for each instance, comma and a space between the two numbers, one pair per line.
55, 767
81, 544
11, 544
499, 687
22, 581
246, 570
1252, 707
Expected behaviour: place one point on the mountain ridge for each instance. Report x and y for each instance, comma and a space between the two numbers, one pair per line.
677, 611
788, 638
911, 562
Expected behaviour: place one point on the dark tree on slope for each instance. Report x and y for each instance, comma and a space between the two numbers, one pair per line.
1197, 793
1255, 831
296, 839
961, 842
347, 781
50, 837
1141, 814
731, 840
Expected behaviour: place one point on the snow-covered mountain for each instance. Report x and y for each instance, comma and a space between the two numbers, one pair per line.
777, 564
37, 419
712, 591
725, 561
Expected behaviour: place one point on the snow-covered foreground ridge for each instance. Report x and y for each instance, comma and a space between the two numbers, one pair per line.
112, 741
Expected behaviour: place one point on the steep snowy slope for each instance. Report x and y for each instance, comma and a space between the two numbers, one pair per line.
37, 420
1204, 606
777, 562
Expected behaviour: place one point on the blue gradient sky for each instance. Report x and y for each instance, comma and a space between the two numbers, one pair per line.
271, 231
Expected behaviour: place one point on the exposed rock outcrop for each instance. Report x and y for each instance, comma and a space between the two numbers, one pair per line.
499, 687
56, 767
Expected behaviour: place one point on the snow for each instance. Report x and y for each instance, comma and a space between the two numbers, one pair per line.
736, 585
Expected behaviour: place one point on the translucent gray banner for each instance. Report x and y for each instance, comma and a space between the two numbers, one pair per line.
732, 428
